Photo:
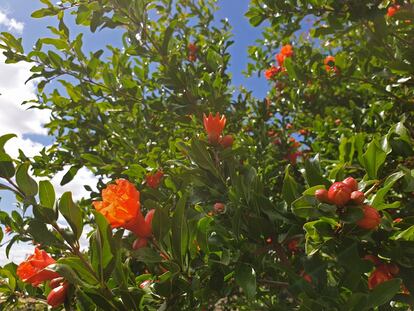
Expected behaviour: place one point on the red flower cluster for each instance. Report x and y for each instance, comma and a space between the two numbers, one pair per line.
214, 126
340, 193
272, 72
154, 180
346, 192
285, 52
393, 9
192, 52
293, 152
330, 64
121, 207
383, 271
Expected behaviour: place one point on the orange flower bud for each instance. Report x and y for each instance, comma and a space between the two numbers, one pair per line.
139, 243
56, 282
339, 193
227, 141
378, 276
322, 196
293, 245
351, 183
330, 64
154, 180
219, 208
57, 295
358, 197
371, 218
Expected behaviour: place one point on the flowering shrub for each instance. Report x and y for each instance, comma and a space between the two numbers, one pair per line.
209, 200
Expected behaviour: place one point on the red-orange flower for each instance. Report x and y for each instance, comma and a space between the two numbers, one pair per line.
121, 207
377, 277
154, 180
287, 50
392, 10
280, 59
120, 203
330, 64
271, 72
33, 269
214, 126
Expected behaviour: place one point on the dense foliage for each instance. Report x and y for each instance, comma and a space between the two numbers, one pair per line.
302, 200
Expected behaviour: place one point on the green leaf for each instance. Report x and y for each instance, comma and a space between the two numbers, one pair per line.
373, 159
378, 198
202, 157
26, 183
147, 255
68, 273
93, 159
79, 267
406, 235
290, 67
6, 166
161, 223
41, 233
246, 278
313, 172
180, 230
290, 191
203, 227
305, 207
102, 247
4, 139
383, 293
70, 174
46, 194
72, 213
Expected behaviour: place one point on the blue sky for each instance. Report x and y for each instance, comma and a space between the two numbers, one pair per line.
15, 18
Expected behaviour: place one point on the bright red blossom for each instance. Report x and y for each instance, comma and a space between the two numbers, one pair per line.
154, 180
272, 72
392, 10
287, 50
214, 126
33, 269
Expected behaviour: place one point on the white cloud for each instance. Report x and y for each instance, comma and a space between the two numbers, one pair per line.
10, 23
15, 117
83, 177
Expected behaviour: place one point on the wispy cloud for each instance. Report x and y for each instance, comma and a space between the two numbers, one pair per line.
10, 23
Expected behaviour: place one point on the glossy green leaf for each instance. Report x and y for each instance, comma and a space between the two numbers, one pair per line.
72, 213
